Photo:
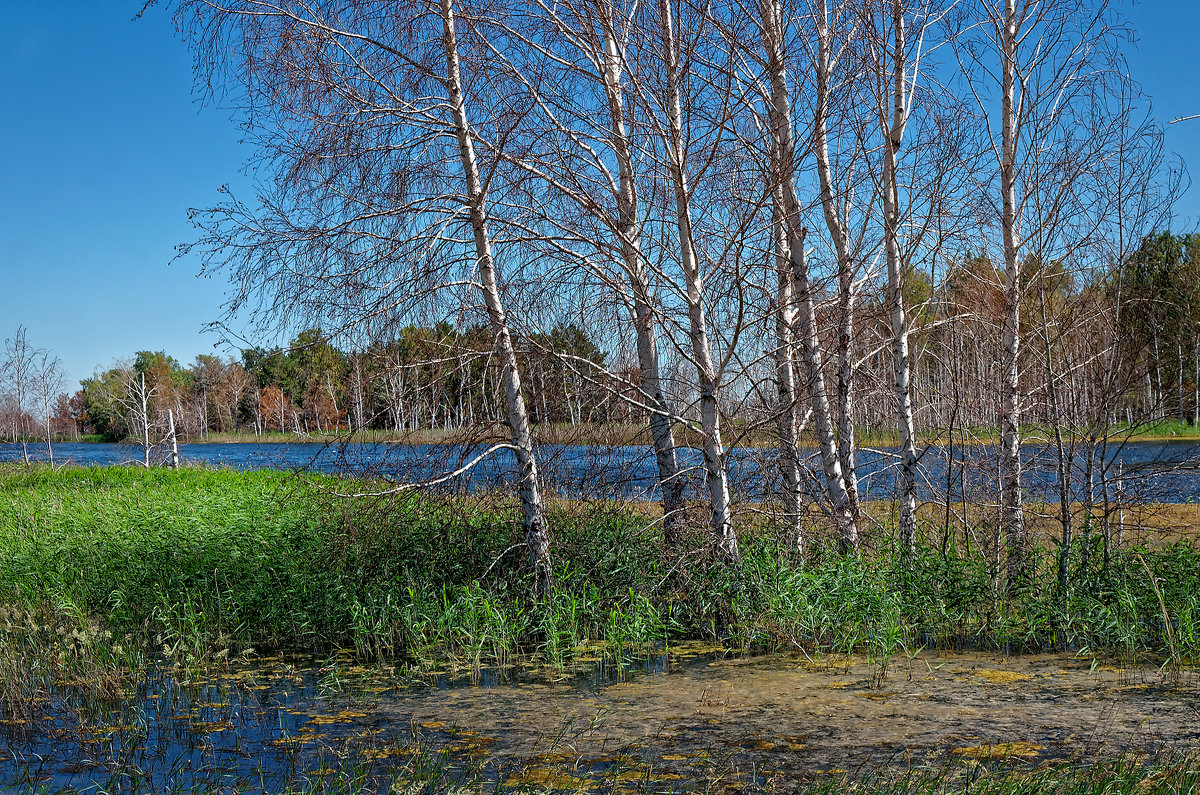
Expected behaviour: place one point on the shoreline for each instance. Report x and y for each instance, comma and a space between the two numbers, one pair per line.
627, 436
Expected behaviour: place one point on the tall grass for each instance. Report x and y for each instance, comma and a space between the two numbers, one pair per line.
197, 563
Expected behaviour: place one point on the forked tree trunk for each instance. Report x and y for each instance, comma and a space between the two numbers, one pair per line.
841, 246
669, 478
783, 140
537, 535
710, 421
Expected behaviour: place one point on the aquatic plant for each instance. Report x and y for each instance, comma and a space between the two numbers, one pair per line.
201, 565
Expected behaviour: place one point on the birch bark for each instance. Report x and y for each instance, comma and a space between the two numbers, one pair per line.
1012, 517
537, 535
845, 436
629, 229
710, 418
805, 320
901, 366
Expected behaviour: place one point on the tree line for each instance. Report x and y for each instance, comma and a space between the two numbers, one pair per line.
432, 378
439, 378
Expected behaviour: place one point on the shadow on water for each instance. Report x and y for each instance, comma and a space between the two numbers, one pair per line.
656, 723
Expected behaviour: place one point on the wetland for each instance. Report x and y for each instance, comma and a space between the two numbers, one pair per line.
202, 630
654, 723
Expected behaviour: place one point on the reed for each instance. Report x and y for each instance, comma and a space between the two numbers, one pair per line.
198, 564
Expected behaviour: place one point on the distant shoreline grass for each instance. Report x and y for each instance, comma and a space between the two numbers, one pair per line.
638, 435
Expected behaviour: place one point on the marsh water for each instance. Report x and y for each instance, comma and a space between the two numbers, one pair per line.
656, 723
1149, 471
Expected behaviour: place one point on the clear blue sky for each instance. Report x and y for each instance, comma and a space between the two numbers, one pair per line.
105, 149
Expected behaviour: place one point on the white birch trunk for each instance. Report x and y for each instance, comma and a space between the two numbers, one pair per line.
782, 155
802, 290
710, 421
670, 482
49, 439
174, 462
537, 535
806, 316
145, 421
1012, 517
841, 247
901, 366
785, 378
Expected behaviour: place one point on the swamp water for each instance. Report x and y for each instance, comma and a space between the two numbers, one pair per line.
667, 722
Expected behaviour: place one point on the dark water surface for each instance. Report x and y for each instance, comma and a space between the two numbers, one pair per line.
1157, 471
665, 721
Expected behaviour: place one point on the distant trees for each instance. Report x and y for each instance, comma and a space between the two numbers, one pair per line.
1160, 321
30, 383
18, 370
442, 378
435, 378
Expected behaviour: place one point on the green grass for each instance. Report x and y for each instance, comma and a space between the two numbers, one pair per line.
195, 563
104, 571
1110, 777
199, 561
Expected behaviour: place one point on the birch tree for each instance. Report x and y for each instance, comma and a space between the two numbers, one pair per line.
19, 371
836, 198
48, 382
1037, 70
583, 161
378, 206
920, 173
670, 130
797, 288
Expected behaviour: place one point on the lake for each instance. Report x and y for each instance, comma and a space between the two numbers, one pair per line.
1150, 471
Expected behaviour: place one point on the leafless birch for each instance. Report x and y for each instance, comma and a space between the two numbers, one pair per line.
379, 206
19, 370
671, 130
587, 41
1036, 68
801, 289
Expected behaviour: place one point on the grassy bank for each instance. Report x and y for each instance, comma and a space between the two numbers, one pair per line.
198, 563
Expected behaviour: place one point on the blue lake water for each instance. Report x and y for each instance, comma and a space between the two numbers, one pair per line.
1160, 471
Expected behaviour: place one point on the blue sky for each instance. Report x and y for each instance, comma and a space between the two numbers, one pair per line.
106, 148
